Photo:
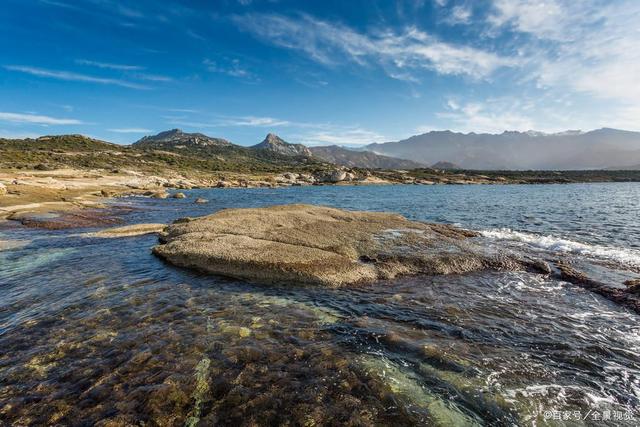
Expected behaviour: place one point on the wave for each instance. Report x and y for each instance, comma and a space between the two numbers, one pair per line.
623, 256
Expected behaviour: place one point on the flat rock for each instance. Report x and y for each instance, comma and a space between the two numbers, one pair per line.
303, 244
127, 231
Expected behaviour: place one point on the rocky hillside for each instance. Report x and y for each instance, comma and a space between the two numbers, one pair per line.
571, 150
361, 159
176, 138
274, 144
445, 166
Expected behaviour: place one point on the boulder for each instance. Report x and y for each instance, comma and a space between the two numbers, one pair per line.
200, 200
633, 286
303, 244
159, 194
179, 195
3, 189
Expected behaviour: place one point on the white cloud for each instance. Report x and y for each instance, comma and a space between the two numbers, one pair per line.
542, 18
460, 14
492, 116
408, 51
587, 49
341, 136
36, 119
130, 130
108, 65
69, 76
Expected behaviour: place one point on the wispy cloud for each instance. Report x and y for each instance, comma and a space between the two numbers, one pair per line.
108, 65
244, 121
231, 67
70, 76
588, 47
460, 14
408, 51
337, 135
493, 116
36, 119
130, 130
254, 122
152, 77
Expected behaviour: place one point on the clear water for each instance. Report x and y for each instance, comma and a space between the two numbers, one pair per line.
100, 331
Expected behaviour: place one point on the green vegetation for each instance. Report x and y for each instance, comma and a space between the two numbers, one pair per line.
75, 151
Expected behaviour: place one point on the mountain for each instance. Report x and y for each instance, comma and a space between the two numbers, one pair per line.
175, 138
570, 150
361, 159
445, 166
274, 144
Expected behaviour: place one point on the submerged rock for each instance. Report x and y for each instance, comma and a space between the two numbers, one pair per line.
320, 245
128, 231
179, 196
201, 201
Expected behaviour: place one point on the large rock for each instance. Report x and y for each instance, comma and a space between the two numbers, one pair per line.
320, 245
3, 189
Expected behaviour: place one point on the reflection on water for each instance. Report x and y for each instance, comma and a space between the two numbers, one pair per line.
100, 331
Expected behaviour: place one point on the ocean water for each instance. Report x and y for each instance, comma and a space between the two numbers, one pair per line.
101, 332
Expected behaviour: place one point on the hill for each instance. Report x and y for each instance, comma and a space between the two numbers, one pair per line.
172, 151
445, 166
274, 144
362, 159
571, 150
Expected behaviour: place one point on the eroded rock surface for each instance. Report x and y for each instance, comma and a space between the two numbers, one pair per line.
128, 231
319, 245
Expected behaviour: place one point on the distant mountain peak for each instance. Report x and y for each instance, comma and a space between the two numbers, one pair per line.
272, 139
274, 143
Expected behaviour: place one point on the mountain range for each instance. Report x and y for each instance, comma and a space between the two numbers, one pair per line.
570, 150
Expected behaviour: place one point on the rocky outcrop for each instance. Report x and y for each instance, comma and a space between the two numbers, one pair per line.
3, 189
303, 244
273, 143
178, 138
335, 176
128, 231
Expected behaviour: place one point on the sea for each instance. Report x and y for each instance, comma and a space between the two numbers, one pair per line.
101, 332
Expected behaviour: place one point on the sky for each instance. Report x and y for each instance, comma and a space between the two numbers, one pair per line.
316, 72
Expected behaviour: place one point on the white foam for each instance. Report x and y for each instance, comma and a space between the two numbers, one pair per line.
628, 257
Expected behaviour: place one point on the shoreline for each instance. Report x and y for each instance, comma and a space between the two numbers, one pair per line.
35, 192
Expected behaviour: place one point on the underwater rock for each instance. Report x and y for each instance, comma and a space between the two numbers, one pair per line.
201, 201
625, 297
633, 286
304, 244
80, 218
128, 231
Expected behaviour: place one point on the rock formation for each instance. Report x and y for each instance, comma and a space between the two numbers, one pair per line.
303, 244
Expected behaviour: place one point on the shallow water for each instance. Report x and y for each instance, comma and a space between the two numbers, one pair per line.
100, 331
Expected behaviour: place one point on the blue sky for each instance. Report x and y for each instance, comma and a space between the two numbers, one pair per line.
316, 72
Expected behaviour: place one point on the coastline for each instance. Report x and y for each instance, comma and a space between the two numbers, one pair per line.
37, 192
